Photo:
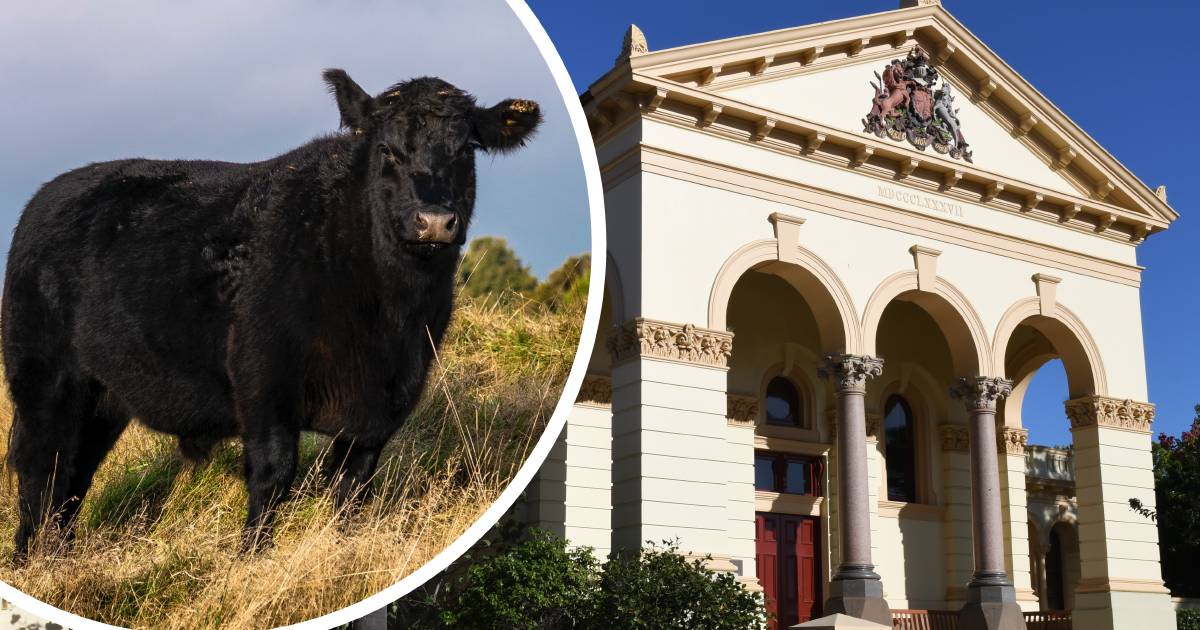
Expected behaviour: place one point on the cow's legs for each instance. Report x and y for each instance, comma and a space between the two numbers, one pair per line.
97, 438
351, 465
50, 407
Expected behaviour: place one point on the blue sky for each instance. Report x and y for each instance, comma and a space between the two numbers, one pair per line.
1126, 72
240, 81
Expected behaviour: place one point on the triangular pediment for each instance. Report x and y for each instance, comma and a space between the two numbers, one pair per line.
812, 85
841, 96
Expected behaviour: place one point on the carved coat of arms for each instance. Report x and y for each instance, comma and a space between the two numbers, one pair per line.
910, 105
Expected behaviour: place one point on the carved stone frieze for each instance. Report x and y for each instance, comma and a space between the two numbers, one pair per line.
1127, 415
955, 438
980, 393
596, 391
850, 372
1011, 440
676, 342
741, 411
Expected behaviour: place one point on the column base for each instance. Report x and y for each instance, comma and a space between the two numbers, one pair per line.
860, 597
991, 607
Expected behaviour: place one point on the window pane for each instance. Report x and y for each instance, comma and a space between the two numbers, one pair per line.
799, 477
764, 473
899, 450
783, 402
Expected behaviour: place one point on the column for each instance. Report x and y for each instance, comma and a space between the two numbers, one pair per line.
991, 599
1120, 585
856, 589
669, 451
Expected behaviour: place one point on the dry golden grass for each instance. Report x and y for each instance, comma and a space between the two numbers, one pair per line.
157, 540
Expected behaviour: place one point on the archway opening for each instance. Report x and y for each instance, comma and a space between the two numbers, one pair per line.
772, 385
1049, 364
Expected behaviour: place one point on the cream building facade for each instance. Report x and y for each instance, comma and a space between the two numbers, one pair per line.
792, 299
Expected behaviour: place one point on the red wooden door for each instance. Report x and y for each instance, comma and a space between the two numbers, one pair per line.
787, 567
766, 539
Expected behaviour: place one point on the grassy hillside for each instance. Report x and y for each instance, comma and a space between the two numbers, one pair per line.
157, 539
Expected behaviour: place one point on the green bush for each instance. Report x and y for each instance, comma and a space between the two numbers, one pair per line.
541, 582
662, 589
1188, 619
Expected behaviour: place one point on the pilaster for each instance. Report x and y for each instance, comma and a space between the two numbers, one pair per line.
670, 455
956, 498
741, 416
1010, 443
1120, 585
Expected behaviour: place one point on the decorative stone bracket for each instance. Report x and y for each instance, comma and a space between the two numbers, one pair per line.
684, 343
1009, 440
1115, 413
596, 391
741, 411
955, 439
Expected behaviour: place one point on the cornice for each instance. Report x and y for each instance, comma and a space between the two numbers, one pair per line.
650, 159
681, 343
663, 99
1114, 413
986, 78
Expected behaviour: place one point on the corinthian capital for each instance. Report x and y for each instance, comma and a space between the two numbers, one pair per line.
850, 372
980, 393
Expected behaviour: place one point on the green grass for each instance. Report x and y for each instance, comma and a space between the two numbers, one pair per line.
157, 539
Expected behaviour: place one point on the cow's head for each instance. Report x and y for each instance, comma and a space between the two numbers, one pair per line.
421, 136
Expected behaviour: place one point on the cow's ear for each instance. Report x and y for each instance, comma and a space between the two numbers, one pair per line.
354, 104
507, 125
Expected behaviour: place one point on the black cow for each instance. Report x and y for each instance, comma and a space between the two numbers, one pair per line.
214, 299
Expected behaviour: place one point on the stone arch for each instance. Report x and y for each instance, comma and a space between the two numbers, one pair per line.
1068, 336
949, 308
814, 280
1064, 337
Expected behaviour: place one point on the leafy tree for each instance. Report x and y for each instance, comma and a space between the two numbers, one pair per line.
568, 284
490, 268
1177, 495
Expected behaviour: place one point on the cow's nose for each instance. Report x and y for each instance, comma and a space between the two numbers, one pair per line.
437, 227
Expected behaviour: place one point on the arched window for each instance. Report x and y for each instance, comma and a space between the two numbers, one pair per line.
900, 445
783, 403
